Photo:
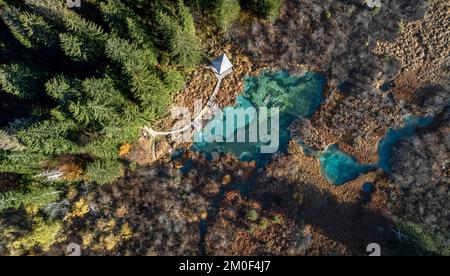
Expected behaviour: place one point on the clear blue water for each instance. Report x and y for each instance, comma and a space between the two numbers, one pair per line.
294, 96
393, 136
339, 168
368, 187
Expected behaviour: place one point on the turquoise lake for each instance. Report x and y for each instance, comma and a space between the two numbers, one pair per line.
295, 97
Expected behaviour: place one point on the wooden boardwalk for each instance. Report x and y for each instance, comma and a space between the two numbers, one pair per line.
150, 132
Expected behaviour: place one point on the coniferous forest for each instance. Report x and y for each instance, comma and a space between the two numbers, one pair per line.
84, 82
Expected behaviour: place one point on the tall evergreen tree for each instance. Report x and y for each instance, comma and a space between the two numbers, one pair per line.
24, 162
50, 137
139, 65
180, 33
38, 197
20, 80
30, 29
116, 13
11, 17
84, 40
81, 39
125, 23
63, 89
100, 105
269, 9
227, 12
104, 172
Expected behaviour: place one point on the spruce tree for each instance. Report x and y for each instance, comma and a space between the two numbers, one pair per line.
81, 39
30, 29
125, 23
179, 30
37, 197
104, 172
100, 104
53, 10
20, 80
173, 79
26, 163
38, 31
63, 89
139, 65
227, 12
269, 9
50, 137
84, 40
116, 13
121, 51
11, 17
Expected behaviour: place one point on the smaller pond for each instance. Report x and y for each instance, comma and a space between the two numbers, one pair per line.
393, 136
339, 168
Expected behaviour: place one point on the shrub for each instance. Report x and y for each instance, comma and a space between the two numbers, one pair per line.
252, 215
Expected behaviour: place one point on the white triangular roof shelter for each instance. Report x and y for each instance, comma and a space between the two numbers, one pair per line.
221, 64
